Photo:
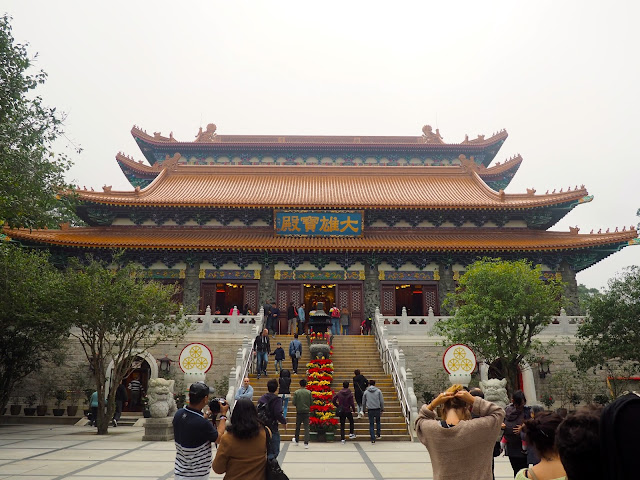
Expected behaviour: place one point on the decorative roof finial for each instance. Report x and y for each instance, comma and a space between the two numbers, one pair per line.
429, 136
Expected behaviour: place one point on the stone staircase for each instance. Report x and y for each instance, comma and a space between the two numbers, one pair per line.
349, 352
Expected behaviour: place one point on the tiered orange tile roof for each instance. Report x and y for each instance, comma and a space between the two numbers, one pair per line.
288, 186
256, 239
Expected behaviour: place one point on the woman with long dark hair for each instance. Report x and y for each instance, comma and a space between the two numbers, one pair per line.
242, 452
284, 390
541, 433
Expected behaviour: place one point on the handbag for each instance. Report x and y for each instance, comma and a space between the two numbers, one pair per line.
297, 353
272, 469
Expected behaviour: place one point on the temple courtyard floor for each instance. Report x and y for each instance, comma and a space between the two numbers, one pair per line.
47, 452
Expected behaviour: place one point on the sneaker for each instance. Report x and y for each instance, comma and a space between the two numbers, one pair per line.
114, 422
343, 441
373, 441
378, 436
306, 445
258, 376
294, 441
353, 435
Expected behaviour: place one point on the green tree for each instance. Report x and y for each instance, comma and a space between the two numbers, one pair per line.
34, 327
31, 174
585, 295
610, 336
117, 315
499, 307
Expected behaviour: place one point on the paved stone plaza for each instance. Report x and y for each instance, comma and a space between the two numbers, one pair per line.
46, 452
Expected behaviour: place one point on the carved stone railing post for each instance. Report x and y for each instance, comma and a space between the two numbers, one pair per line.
404, 321
207, 319
413, 402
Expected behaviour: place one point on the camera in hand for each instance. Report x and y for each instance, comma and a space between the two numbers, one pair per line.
215, 403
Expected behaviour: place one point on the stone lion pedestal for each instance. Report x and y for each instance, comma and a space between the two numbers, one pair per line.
158, 429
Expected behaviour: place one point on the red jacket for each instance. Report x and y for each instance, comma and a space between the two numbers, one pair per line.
344, 399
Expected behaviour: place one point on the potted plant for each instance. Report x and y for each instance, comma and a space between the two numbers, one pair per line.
61, 396
16, 406
30, 410
547, 400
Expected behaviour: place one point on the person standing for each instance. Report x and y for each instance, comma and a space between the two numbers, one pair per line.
284, 390
301, 399
334, 313
346, 407
292, 319
245, 391
345, 319
295, 352
93, 405
301, 319
273, 406
373, 405
267, 315
122, 400
262, 348
275, 322
194, 433
474, 438
136, 389
241, 453
360, 384
516, 414
278, 356
541, 433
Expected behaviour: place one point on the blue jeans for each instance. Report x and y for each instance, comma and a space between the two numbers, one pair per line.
263, 359
278, 364
374, 415
335, 326
285, 404
345, 329
274, 446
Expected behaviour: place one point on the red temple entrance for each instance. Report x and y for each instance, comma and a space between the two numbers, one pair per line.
344, 295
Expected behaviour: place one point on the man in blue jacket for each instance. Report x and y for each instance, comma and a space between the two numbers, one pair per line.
295, 352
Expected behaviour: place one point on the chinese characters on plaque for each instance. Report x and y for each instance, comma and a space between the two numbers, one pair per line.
308, 223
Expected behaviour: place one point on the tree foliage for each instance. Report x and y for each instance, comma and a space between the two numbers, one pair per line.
34, 327
585, 295
31, 175
610, 336
117, 315
499, 307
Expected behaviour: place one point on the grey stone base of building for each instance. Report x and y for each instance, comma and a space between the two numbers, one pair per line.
158, 429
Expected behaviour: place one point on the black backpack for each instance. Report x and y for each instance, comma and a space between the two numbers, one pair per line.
265, 413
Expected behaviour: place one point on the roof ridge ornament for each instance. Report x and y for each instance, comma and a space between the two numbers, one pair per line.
574, 230
430, 137
209, 135
531, 191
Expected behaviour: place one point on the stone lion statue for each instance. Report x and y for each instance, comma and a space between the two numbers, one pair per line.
495, 391
161, 401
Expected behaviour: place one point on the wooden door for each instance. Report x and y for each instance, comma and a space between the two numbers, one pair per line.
207, 297
431, 299
285, 294
251, 297
350, 295
388, 300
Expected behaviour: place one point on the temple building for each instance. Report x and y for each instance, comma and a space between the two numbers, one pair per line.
362, 221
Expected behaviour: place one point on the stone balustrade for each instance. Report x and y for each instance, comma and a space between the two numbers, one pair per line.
562, 324
232, 324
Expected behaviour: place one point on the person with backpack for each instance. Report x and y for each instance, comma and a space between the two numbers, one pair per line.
302, 399
295, 352
334, 313
284, 390
360, 384
345, 407
270, 414
516, 414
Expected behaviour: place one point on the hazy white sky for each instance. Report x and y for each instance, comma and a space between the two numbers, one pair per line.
561, 77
